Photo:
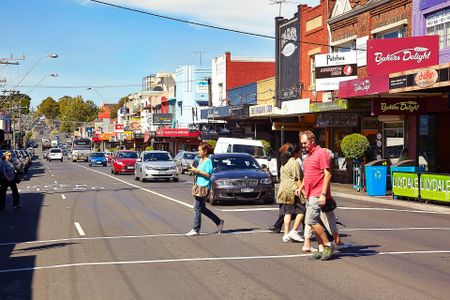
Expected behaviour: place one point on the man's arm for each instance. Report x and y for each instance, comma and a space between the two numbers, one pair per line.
325, 186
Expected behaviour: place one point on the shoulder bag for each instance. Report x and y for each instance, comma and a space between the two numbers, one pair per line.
198, 190
330, 205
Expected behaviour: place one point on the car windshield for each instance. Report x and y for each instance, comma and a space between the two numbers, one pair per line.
157, 157
127, 155
98, 154
255, 151
189, 155
233, 163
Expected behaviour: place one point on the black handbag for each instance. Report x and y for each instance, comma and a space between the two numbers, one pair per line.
330, 205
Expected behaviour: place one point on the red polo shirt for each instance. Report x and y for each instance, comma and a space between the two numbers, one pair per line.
313, 165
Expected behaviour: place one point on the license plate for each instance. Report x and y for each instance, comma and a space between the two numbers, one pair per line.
98, 162
247, 190
130, 168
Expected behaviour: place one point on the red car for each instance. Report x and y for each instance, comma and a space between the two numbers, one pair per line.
123, 161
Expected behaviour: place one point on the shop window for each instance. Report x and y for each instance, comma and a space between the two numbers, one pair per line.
394, 141
439, 24
345, 47
398, 33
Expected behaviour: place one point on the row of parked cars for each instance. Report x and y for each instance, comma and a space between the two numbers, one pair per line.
236, 176
21, 159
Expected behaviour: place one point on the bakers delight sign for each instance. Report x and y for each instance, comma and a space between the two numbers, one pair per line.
394, 55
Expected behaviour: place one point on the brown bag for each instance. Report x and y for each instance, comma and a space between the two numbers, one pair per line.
199, 191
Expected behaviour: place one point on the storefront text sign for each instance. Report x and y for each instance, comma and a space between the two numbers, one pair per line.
177, 132
261, 110
418, 79
435, 187
340, 104
162, 119
332, 68
371, 85
219, 112
239, 111
337, 120
405, 184
386, 56
397, 107
299, 106
119, 127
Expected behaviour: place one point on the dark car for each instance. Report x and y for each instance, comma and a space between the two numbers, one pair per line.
238, 177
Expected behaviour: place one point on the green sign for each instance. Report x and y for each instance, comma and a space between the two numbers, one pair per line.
435, 187
340, 104
405, 184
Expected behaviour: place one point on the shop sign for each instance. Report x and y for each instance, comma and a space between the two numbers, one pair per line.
219, 112
239, 111
299, 106
397, 107
162, 119
177, 132
332, 68
135, 124
337, 120
340, 104
104, 115
119, 127
405, 184
261, 110
202, 87
417, 79
386, 56
371, 85
435, 187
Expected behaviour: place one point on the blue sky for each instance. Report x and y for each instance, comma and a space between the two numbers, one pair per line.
99, 45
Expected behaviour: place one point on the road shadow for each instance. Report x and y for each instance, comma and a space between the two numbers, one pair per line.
357, 251
42, 247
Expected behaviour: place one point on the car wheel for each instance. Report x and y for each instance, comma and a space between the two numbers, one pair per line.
175, 179
136, 177
268, 201
211, 198
89, 165
112, 171
142, 178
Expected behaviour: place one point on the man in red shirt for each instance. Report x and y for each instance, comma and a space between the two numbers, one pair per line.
316, 188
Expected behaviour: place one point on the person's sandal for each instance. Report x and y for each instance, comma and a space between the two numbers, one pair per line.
309, 250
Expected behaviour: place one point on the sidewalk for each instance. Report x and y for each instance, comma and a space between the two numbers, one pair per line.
347, 191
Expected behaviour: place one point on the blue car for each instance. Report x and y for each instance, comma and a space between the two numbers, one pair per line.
97, 159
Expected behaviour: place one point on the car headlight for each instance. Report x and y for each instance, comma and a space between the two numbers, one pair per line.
223, 182
120, 163
266, 181
173, 168
148, 168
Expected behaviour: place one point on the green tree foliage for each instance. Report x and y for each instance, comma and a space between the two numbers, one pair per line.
212, 143
74, 111
49, 108
13, 102
148, 148
117, 106
354, 146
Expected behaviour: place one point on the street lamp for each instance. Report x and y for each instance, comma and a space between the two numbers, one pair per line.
95, 90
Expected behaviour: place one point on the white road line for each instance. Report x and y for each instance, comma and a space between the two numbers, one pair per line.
37, 190
212, 259
63, 196
52, 175
393, 209
140, 188
164, 235
56, 182
80, 230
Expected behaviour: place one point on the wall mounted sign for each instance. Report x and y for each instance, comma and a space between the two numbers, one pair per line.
162, 119
398, 107
219, 112
340, 104
393, 55
337, 120
418, 79
299, 106
261, 110
239, 111
371, 85
333, 68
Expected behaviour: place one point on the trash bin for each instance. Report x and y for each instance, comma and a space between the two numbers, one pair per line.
376, 177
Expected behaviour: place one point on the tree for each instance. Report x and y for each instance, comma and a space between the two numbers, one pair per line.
75, 111
13, 102
116, 107
49, 108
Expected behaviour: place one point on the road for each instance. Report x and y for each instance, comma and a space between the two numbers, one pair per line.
87, 234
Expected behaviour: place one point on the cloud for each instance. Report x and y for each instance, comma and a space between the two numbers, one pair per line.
256, 16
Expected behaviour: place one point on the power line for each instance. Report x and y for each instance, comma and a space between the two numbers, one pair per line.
211, 26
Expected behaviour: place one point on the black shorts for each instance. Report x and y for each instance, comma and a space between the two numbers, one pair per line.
293, 209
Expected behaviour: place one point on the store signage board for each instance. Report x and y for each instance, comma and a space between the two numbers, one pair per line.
405, 184
299, 106
261, 110
419, 79
386, 56
336, 119
398, 107
333, 68
371, 85
435, 187
162, 119
340, 104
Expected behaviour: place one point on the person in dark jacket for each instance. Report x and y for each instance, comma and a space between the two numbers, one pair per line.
8, 179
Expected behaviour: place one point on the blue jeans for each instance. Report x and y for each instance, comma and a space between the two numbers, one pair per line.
199, 209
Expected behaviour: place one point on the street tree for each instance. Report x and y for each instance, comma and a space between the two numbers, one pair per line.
49, 108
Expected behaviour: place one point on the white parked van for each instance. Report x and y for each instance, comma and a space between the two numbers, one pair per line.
252, 147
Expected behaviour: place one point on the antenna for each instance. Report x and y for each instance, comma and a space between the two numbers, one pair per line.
280, 3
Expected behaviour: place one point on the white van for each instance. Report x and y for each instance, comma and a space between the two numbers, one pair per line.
252, 147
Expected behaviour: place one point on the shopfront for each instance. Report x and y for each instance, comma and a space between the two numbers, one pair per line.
176, 139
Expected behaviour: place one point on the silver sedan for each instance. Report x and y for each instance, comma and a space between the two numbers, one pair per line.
155, 165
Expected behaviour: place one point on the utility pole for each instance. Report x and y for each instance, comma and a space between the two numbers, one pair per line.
11, 60
199, 57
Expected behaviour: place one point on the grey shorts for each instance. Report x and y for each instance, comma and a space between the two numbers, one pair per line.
312, 216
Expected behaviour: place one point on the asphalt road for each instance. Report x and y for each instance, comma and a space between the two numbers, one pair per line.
87, 234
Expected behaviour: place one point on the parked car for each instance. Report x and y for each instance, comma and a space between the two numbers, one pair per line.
27, 157
55, 154
21, 164
239, 177
155, 165
123, 161
184, 160
97, 159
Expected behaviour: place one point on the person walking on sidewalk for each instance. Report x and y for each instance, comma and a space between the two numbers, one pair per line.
8, 179
316, 188
290, 204
203, 174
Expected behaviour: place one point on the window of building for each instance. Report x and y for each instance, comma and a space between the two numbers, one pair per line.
439, 24
345, 47
397, 33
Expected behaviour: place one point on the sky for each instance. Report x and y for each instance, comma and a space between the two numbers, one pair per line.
111, 50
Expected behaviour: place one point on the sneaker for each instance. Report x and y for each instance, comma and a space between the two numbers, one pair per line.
316, 256
310, 250
343, 246
327, 253
286, 239
273, 229
295, 236
192, 233
220, 227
